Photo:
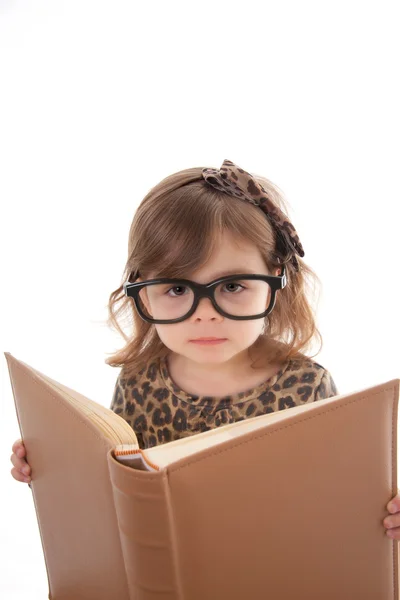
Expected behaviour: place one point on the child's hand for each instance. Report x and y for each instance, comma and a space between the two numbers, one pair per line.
21, 470
392, 522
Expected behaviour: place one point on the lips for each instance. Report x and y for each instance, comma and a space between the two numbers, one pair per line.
206, 339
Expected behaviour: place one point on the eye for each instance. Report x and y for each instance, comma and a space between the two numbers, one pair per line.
232, 283
177, 287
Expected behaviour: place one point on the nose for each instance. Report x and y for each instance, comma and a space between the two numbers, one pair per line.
205, 310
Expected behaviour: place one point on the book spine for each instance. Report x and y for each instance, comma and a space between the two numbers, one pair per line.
146, 531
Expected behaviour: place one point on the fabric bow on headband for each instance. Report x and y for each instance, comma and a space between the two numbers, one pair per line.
237, 182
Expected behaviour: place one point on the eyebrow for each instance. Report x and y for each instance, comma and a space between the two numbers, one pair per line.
218, 275
237, 271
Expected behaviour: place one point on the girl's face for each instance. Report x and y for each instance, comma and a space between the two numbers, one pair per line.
206, 321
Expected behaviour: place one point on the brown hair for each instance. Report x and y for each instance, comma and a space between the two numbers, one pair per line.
174, 231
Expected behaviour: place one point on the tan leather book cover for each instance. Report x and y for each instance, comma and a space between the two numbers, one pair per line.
291, 508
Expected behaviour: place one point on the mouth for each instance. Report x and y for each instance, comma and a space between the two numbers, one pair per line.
208, 339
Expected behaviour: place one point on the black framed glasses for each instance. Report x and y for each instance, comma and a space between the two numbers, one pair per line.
242, 296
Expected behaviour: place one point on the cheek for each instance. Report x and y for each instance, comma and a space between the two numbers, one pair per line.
252, 328
169, 333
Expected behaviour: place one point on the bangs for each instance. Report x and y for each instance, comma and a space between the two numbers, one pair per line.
189, 227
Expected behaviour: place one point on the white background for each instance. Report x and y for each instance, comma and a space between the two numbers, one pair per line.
101, 100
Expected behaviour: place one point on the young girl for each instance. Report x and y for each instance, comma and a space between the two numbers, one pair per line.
216, 289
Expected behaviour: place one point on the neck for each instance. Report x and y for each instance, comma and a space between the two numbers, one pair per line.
219, 380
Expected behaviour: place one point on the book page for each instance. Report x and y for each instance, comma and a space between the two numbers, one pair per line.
168, 453
109, 423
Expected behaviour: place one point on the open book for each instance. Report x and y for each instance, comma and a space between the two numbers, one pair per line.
284, 505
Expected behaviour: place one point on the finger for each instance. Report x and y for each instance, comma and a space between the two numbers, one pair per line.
394, 504
393, 533
392, 521
20, 464
21, 451
19, 477
18, 448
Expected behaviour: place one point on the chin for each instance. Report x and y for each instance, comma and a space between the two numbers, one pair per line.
213, 354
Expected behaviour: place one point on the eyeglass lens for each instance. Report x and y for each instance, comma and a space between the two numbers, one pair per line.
240, 298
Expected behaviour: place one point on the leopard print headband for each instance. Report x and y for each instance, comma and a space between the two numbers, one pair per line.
237, 182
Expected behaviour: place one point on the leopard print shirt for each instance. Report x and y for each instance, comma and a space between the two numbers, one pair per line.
159, 412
